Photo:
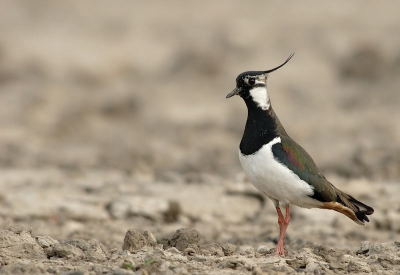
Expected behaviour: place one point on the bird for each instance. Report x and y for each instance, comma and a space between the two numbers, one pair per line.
278, 166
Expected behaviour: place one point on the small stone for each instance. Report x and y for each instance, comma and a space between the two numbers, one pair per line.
69, 251
46, 241
296, 263
262, 250
228, 249
190, 251
246, 250
96, 251
364, 248
151, 241
114, 256
213, 249
250, 252
134, 240
182, 239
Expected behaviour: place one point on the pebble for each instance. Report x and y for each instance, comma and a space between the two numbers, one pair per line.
262, 250
364, 248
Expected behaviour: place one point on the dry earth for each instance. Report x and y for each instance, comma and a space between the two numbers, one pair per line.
118, 149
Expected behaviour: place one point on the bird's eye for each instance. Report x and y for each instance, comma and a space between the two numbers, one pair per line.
252, 81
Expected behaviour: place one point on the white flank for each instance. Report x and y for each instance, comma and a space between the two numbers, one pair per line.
276, 180
260, 96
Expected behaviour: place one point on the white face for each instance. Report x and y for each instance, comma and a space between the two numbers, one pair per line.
259, 92
260, 96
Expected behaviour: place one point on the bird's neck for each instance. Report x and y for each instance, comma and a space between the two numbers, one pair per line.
262, 126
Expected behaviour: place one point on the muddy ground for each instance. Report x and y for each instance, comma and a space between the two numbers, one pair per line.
118, 149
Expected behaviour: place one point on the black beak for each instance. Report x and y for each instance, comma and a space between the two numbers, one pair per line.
235, 91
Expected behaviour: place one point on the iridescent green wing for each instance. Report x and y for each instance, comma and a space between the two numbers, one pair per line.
292, 155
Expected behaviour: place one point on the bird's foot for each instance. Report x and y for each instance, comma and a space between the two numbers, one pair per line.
280, 251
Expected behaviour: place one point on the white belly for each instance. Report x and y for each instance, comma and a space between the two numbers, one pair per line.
276, 180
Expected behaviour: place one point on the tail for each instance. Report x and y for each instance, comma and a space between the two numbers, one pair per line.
349, 206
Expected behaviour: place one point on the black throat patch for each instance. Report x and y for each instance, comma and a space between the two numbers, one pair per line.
261, 128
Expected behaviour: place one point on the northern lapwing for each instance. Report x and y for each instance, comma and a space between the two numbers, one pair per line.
279, 167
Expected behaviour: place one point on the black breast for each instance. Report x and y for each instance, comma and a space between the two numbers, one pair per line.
261, 128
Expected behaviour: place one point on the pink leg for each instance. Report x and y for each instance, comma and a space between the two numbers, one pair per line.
283, 225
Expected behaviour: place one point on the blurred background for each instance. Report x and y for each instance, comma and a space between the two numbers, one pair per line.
137, 89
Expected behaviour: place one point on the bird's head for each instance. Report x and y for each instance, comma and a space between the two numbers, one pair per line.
253, 85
